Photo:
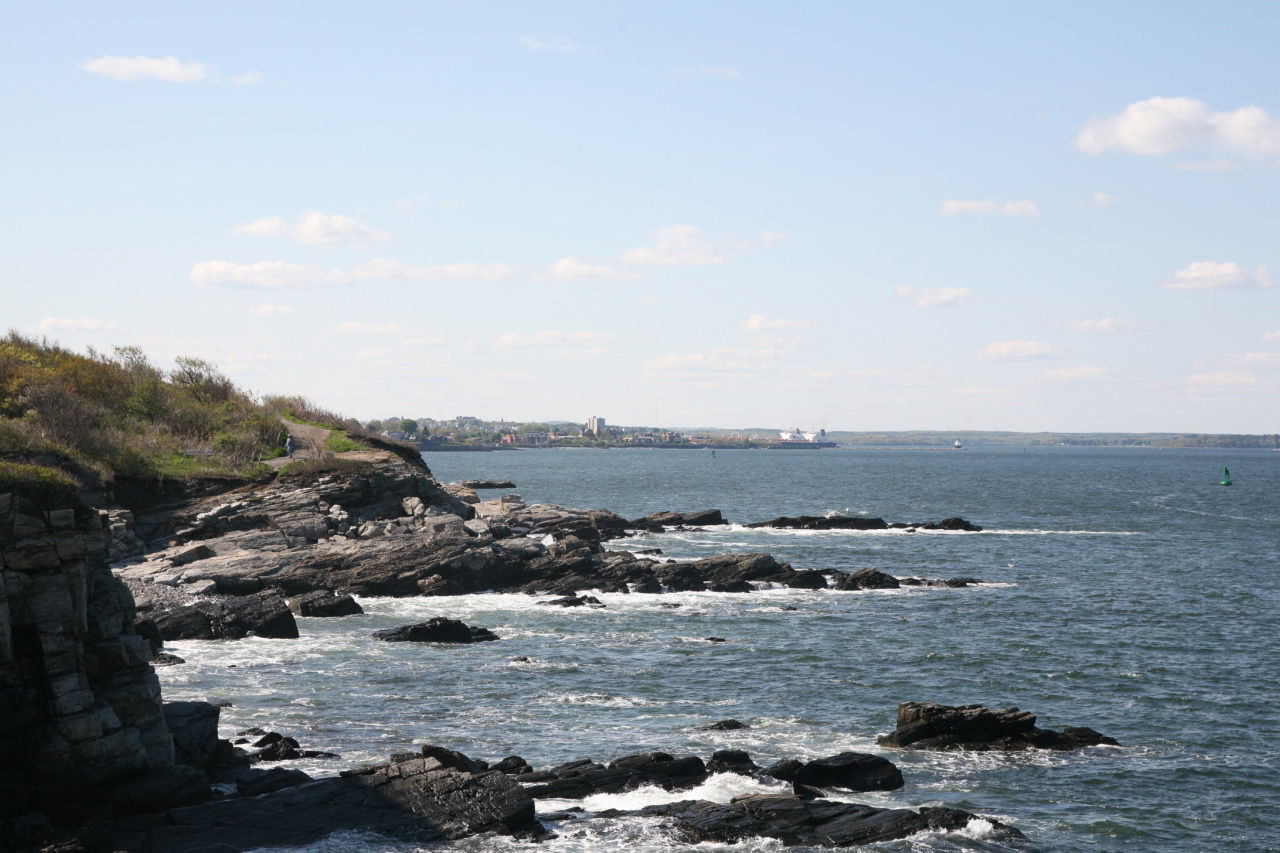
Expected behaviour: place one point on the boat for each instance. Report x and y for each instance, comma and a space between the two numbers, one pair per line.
958, 445
797, 440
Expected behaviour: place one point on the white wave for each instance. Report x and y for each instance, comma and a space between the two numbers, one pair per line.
719, 788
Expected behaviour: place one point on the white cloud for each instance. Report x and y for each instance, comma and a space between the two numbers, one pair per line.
1102, 326
248, 78
1159, 126
1102, 200
1208, 275
678, 244
314, 228
989, 208
1084, 373
1002, 350
770, 239
381, 268
132, 68
69, 324
371, 328
555, 44
269, 275
759, 322
1272, 336
1225, 379
717, 360
277, 274
572, 269
551, 337
268, 310
933, 297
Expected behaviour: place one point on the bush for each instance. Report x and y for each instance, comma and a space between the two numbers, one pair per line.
305, 469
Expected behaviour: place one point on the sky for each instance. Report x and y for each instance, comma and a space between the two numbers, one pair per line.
839, 215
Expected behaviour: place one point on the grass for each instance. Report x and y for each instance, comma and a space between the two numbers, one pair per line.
307, 468
46, 487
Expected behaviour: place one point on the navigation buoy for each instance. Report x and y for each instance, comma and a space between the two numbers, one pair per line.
1226, 476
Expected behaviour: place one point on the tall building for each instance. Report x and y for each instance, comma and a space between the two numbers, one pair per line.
595, 426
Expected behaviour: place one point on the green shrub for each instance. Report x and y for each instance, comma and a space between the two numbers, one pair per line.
305, 469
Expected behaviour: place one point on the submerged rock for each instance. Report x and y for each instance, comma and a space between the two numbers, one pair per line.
928, 725
437, 630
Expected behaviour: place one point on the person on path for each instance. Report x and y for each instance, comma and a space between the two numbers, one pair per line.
288, 446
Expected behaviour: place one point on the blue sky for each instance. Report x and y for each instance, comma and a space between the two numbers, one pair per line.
845, 215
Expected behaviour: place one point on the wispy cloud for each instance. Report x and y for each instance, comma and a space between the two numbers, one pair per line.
1102, 326
934, 297
551, 337
315, 228
989, 208
1101, 200
770, 239
1224, 379
248, 78
271, 275
1015, 350
1083, 373
717, 360
133, 68
759, 323
554, 44
677, 245
1209, 275
269, 310
1160, 126
70, 324
1271, 336
568, 270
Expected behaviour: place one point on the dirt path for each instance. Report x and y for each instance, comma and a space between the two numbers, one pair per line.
308, 443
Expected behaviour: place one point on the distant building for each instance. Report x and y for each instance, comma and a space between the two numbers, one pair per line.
595, 426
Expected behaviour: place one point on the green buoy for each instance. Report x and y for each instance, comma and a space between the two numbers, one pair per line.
1226, 476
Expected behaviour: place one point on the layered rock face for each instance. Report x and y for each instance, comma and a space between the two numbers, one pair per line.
79, 705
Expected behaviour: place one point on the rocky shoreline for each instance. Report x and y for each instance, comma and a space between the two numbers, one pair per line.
92, 759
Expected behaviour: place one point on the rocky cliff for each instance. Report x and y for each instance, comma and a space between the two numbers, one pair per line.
80, 707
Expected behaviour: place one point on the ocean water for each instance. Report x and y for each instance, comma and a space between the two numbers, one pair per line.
1124, 589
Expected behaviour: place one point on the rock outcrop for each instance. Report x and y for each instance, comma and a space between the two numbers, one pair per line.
438, 630
795, 820
852, 771
976, 728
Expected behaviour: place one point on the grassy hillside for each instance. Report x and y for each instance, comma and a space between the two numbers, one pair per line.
120, 414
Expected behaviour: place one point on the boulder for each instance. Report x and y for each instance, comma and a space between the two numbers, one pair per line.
437, 630
867, 579
823, 522
488, 484
194, 726
727, 726
732, 761
701, 518
976, 728
852, 771
437, 585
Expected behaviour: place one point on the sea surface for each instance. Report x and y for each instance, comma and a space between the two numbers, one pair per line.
1124, 589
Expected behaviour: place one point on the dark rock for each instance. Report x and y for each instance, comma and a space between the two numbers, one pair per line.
928, 725
733, 586
267, 781
810, 822
171, 788
416, 801
572, 601
853, 771
715, 639
166, 659
954, 524
488, 484
727, 726
732, 761
867, 579
437, 630
323, 603
512, 764
822, 522
450, 758
194, 726
805, 580
702, 518
263, 614
648, 585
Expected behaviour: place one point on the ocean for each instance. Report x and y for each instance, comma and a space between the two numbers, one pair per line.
1123, 589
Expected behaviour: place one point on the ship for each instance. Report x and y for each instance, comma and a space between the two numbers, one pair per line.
797, 440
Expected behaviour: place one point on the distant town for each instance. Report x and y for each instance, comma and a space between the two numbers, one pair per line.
464, 433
